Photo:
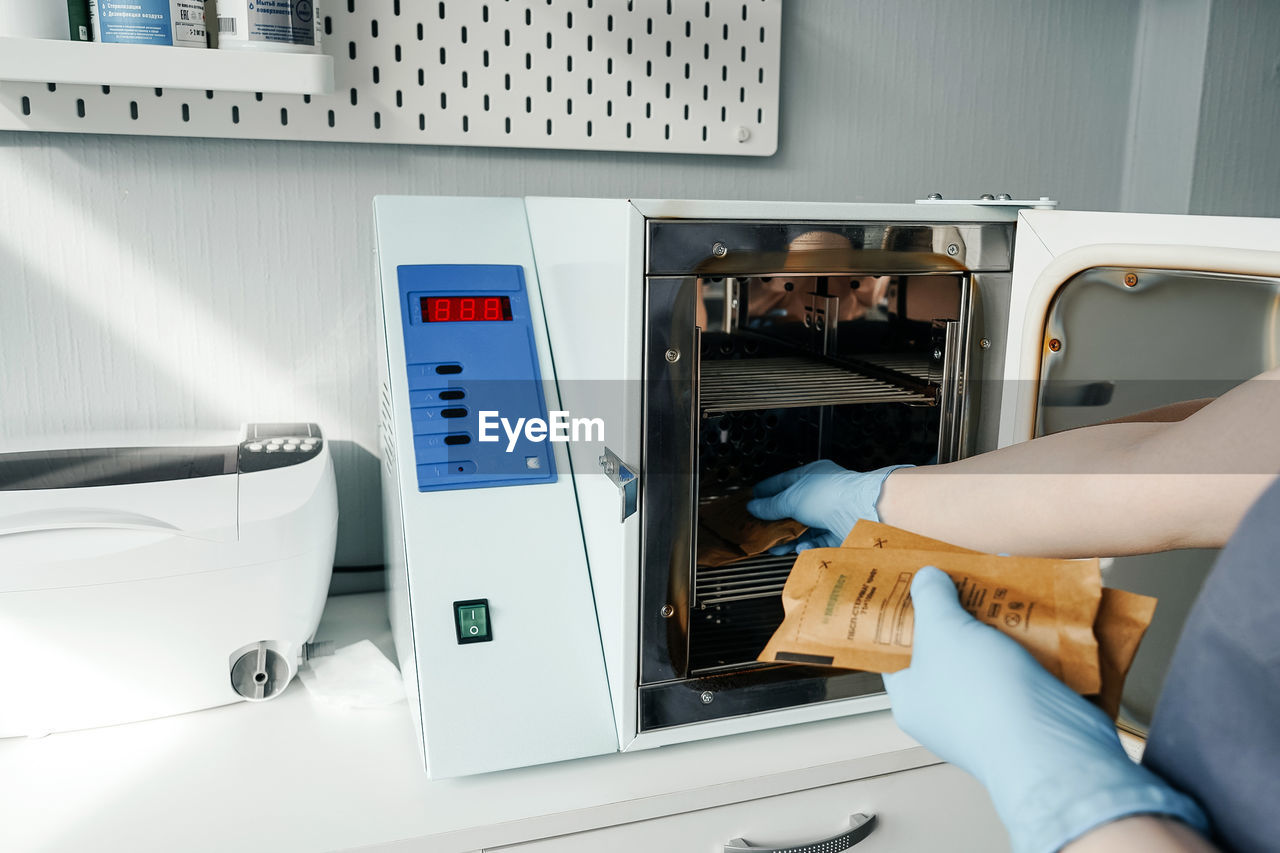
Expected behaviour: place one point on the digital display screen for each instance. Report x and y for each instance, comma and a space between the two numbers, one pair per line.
468, 309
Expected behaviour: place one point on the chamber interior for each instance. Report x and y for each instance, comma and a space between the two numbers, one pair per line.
799, 368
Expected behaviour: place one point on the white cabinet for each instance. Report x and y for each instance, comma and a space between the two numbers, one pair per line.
926, 809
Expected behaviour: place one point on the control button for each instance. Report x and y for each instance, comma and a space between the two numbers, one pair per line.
272, 447
471, 620
290, 447
307, 445
256, 447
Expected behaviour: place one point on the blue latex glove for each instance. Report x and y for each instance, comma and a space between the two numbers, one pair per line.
1051, 761
823, 496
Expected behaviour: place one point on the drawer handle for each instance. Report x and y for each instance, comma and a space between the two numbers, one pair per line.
860, 826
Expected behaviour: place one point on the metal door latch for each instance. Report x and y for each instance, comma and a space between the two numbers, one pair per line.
625, 479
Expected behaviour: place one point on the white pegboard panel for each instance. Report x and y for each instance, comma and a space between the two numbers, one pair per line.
617, 75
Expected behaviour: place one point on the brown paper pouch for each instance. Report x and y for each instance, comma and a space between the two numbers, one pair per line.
1123, 617
732, 526
851, 608
714, 551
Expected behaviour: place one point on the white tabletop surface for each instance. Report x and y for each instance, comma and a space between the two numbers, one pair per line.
294, 774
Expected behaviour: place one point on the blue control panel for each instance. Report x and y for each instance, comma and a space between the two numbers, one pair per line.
469, 349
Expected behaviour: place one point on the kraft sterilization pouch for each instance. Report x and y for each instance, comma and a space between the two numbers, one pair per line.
851, 608
728, 533
1123, 616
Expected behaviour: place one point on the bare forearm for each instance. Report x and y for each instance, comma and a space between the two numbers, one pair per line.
1007, 501
1144, 832
1112, 489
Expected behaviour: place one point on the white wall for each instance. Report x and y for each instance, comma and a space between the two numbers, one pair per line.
173, 283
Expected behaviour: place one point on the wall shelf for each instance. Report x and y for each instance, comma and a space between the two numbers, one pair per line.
152, 67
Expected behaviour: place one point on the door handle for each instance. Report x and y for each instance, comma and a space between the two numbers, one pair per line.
860, 826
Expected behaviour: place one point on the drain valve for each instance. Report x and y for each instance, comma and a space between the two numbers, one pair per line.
259, 673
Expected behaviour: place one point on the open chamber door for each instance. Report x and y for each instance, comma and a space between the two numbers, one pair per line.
1113, 314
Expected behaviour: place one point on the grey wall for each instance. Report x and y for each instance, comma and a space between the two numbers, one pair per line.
1164, 105
1238, 147
176, 283
1205, 109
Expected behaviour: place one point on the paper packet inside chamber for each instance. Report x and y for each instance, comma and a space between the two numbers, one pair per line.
728, 533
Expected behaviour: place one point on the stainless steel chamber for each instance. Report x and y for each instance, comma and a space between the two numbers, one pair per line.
769, 345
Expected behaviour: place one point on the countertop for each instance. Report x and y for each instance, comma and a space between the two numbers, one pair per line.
294, 774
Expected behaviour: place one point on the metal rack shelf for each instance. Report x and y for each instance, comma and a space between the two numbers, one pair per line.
917, 367
757, 577
783, 383
729, 637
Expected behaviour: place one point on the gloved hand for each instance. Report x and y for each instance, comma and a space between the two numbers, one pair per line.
822, 495
1051, 761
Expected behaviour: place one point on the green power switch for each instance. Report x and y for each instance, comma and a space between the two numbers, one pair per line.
471, 618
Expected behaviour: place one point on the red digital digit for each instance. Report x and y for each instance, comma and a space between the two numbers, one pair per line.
453, 309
